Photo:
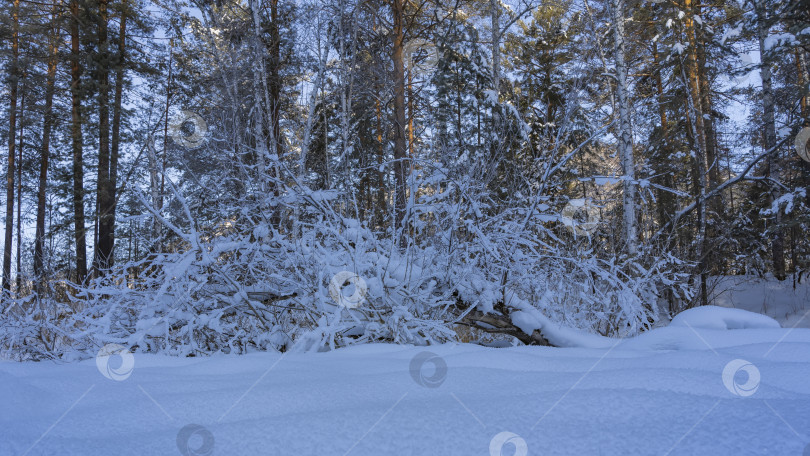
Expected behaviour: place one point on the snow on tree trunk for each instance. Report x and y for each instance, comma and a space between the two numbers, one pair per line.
769, 135
625, 130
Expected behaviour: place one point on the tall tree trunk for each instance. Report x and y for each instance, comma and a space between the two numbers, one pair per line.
400, 142
275, 94
625, 131
77, 146
495, 25
661, 165
346, 87
104, 247
154, 193
261, 111
158, 179
664, 197
14, 75
716, 206
115, 147
495, 19
801, 71
411, 145
19, 190
769, 136
692, 83
381, 207
707, 107
39, 239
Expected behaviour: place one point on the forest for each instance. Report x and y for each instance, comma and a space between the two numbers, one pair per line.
189, 177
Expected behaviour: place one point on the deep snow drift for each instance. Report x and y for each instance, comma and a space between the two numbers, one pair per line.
677, 390
784, 301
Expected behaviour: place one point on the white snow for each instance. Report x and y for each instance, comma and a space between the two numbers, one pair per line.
780, 39
713, 317
366, 400
786, 302
717, 380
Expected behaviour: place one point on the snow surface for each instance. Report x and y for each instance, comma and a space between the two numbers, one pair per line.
780, 300
713, 317
661, 393
717, 380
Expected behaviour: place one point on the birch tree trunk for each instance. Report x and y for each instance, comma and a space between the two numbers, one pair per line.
625, 131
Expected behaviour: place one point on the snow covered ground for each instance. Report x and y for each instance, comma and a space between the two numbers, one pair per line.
734, 392
779, 300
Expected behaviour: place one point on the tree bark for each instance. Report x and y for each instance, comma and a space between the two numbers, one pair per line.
625, 135
112, 189
276, 143
14, 75
801, 71
259, 121
411, 114
400, 141
769, 136
692, 82
18, 278
104, 247
495, 24
495, 19
382, 202
77, 146
39, 237
666, 202
158, 179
